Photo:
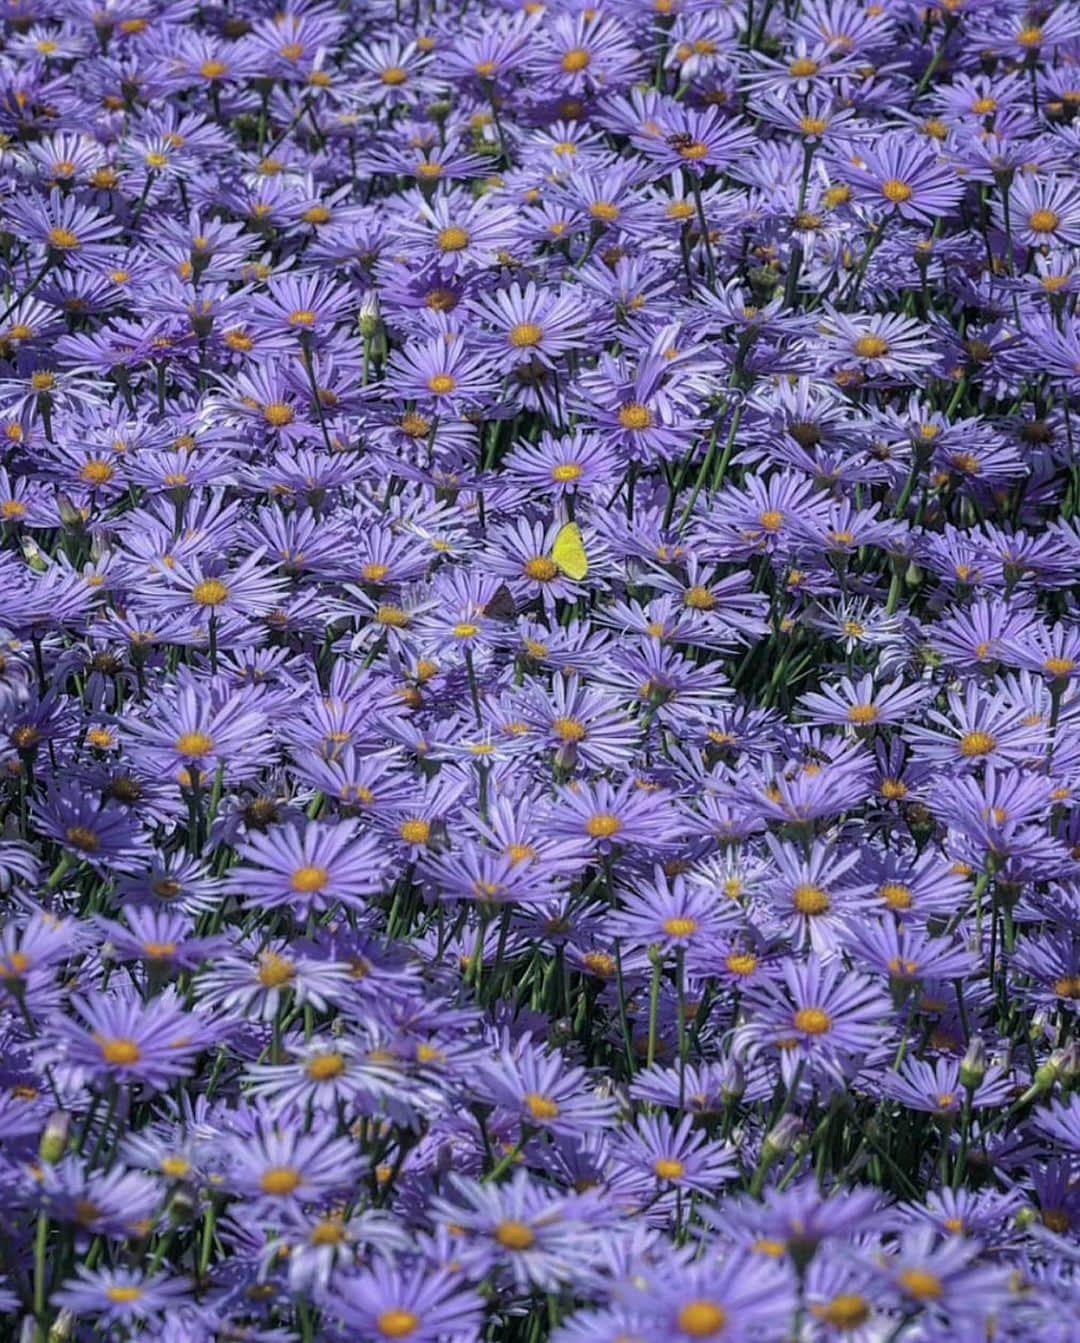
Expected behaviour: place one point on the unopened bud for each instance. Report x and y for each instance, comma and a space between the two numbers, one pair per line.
368, 318
781, 1138
63, 1327
735, 1087
54, 1139
973, 1064
1026, 1217
1045, 1076
32, 555
71, 515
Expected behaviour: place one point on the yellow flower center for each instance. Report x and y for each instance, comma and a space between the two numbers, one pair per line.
803, 68
604, 211
771, 520
82, 837
453, 239
275, 971
847, 1311
871, 347
696, 150
1044, 221
699, 598
813, 126
525, 335
567, 471
121, 1053
541, 568
97, 473
603, 825
680, 927
159, 951
895, 191
278, 414
279, 1181
569, 729
194, 744
397, 1323
576, 60
702, 1319
668, 1168
441, 383
307, 880
415, 832
303, 317
326, 1067
862, 714
63, 239
811, 900
513, 1235
210, 592
635, 416
123, 1296
896, 895
600, 963
540, 1107
1029, 37
813, 1021
974, 744
921, 1284
394, 75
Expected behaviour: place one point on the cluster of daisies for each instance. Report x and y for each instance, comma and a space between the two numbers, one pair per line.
539, 671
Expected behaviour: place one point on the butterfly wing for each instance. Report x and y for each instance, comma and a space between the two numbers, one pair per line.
569, 552
502, 606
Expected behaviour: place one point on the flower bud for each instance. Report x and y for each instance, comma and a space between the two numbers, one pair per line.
736, 1083
781, 1138
973, 1064
63, 1327
54, 1139
32, 555
71, 515
368, 318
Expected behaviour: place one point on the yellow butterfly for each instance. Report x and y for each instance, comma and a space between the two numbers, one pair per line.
569, 552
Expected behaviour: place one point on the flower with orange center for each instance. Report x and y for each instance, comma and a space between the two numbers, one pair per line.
603, 826
541, 569
576, 60
976, 744
895, 191
871, 347
635, 417
702, 1319
811, 900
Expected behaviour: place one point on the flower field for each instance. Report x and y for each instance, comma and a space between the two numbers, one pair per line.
539, 662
